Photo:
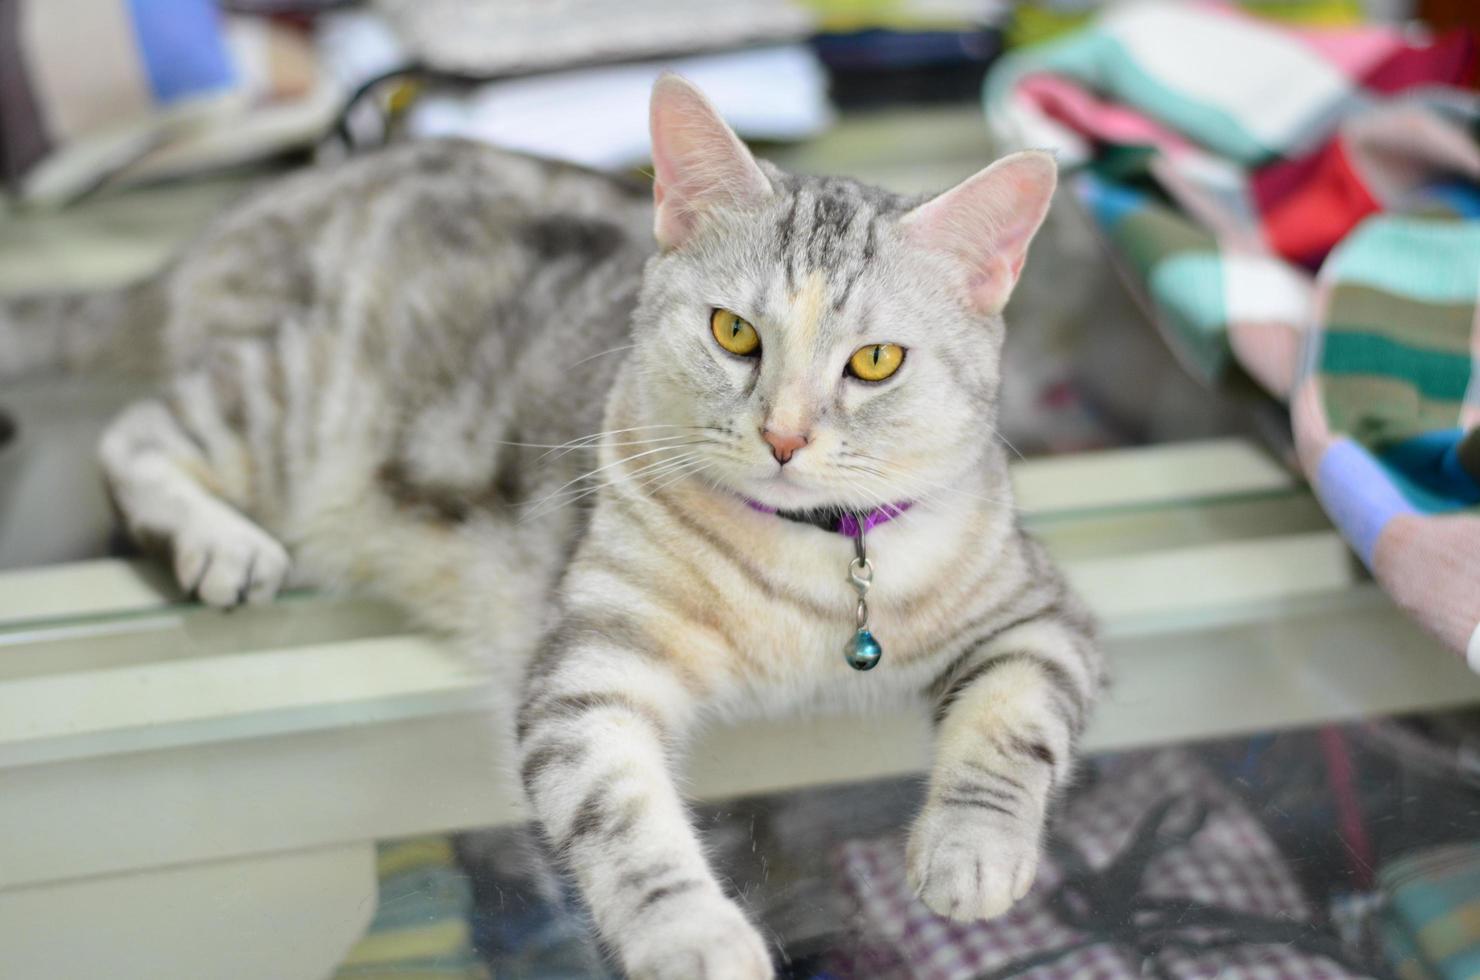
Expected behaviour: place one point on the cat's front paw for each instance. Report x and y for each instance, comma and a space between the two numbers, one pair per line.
226, 560
969, 863
705, 939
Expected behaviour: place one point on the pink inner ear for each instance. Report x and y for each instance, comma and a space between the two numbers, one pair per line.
698, 161
988, 221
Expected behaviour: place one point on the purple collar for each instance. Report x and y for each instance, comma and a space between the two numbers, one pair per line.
836, 519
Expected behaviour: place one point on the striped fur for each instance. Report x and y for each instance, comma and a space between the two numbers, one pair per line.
466, 381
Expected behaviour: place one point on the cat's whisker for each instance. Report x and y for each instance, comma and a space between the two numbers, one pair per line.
1008, 444
601, 353
571, 448
600, 469
625, 459
559, 451
651, 472
691, 470
586, 441
596, 436
916, 488
898, 472
558, 499
551, 502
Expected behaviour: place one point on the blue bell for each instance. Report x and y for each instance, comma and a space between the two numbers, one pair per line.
863, 651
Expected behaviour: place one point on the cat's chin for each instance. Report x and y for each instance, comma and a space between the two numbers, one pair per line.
785, 492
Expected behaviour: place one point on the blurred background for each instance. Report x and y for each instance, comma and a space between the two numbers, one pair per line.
1234, 172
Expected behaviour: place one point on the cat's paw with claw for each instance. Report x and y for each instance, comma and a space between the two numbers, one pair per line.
226, 560
966, 866
706, 939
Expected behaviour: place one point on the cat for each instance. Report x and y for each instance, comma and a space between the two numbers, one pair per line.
608, 443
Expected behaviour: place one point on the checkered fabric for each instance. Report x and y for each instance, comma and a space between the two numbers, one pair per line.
1227, 864
1304, 203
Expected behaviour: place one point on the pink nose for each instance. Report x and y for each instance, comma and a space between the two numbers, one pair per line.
783, 446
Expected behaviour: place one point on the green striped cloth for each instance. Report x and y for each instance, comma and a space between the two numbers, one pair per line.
1303, 204
1385, 409
1430, 926
421, 929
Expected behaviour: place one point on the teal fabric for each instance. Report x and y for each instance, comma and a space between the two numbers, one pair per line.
1424, 260
1189, 287
1101, 63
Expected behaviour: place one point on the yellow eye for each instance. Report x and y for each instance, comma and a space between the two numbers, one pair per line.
734, 334
876, 361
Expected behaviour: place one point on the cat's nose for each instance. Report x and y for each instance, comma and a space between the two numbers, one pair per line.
783, 445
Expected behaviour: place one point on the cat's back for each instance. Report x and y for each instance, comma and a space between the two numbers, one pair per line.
421, 262
467, 182
464, 182
443, 228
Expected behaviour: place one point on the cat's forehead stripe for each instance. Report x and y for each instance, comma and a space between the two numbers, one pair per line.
831, 227
806, 312
784, 236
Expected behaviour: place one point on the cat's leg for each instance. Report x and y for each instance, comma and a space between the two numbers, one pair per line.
597, 730
171, 489
1008, 713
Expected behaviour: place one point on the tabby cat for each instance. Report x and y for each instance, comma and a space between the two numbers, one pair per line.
615, 464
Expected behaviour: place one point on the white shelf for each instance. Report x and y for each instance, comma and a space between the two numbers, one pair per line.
1046, 489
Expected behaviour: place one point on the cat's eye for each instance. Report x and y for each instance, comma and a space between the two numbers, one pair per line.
876, 361
734, 334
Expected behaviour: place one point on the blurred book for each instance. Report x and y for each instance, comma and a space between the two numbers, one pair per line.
598, 116
106, 91
499, 37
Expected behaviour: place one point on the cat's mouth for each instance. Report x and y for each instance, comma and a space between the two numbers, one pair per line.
786, 490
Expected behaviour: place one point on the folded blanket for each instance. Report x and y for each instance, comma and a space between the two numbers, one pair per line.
1303, 203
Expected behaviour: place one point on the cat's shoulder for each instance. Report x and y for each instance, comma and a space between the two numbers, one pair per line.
462, 159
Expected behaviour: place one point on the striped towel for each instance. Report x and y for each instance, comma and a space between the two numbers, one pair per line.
421, 929
1304, 204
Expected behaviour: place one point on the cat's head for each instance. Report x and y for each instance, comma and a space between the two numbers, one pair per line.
836, 344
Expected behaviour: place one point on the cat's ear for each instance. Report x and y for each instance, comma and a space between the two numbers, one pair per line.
987, 222
698, 161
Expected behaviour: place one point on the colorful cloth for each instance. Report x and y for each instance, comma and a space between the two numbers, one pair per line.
1304, 203
1157, 868
1430, 926
1424, 917
1385, 407
421, 927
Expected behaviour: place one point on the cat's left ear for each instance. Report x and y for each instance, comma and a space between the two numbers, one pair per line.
698, 161
987, 222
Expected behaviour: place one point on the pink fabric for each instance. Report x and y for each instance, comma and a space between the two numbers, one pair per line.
1354, 50
1268, 350
1107, 122
1429, 564
1450, 60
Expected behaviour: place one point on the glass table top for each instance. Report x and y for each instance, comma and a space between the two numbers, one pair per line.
1306, 852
